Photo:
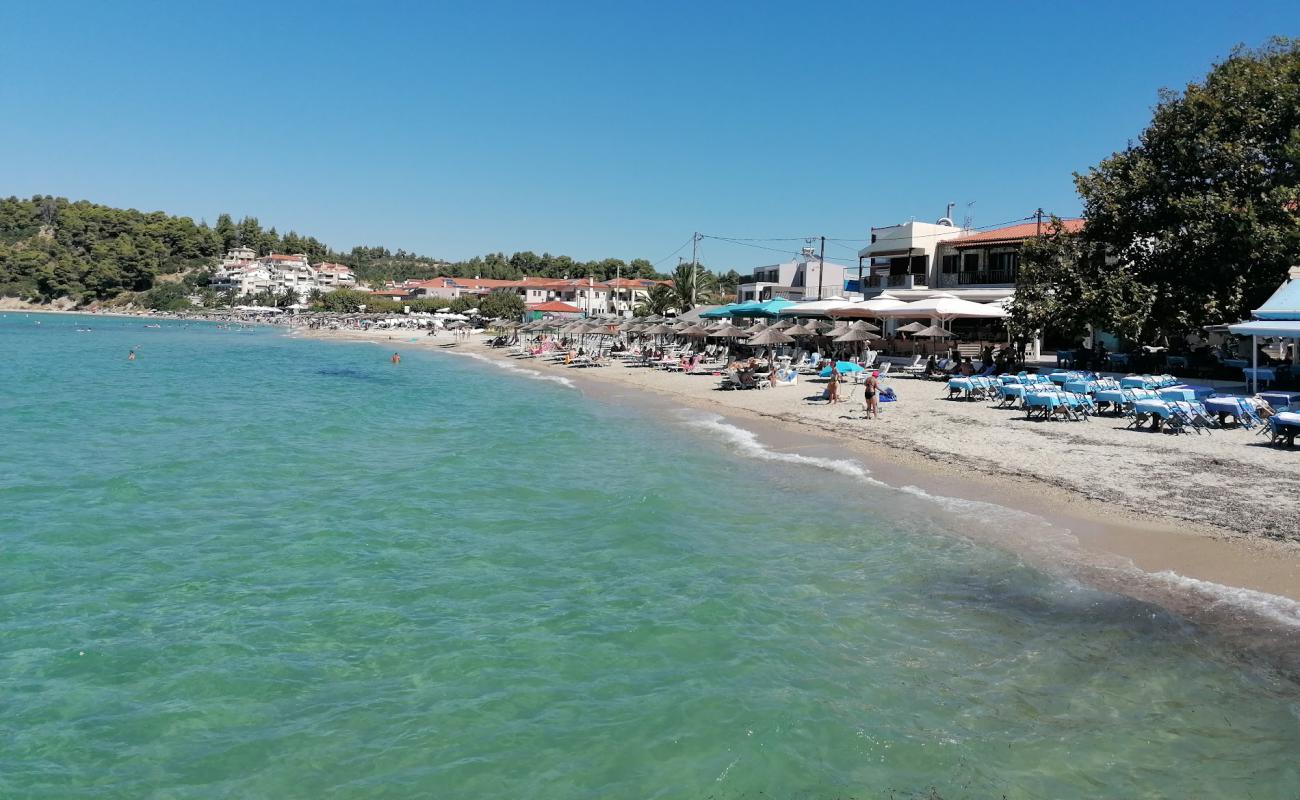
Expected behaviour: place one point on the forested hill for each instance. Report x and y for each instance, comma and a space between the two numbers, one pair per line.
52, 247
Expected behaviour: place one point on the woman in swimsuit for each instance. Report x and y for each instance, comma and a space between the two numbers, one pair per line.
833, 388
871, 397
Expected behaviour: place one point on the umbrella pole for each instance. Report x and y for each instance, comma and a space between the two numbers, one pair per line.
1254, 364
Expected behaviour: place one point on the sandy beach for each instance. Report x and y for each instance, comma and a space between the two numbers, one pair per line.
1220, 507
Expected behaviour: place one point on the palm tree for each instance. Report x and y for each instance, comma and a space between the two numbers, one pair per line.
691, 283
659, 300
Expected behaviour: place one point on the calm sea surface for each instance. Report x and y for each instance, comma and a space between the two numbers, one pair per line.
248, 565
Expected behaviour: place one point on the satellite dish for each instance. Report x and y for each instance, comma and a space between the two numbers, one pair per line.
944, 221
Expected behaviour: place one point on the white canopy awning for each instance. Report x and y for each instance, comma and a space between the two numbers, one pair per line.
1287, 328
815, 308
945, 308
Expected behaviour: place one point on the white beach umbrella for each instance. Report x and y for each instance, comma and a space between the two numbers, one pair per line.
875, 307
815, 308
945, 308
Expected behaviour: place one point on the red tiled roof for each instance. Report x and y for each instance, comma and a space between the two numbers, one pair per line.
275, 257
555, 307
630, 283
1011, 234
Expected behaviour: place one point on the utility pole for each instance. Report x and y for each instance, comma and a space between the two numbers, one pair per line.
821, 268
1038, 229
695, 264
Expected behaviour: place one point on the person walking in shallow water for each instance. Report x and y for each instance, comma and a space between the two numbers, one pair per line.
396, 359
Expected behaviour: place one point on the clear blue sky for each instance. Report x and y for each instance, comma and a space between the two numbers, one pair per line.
595, 130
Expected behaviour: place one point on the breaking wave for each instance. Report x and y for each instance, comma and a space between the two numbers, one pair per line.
508, 367
1274, 607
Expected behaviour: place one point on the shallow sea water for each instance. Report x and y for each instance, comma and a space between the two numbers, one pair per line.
249, 565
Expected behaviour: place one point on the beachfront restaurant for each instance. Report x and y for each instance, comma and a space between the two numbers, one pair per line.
1277, 319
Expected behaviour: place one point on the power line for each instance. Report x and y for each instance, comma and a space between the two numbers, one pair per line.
841, 242
673, 253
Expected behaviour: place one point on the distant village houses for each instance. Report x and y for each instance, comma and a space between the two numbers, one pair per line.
244, 273
616, 297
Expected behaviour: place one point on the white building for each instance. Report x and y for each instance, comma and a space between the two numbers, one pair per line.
238, 256
242, 279
243, 274
335, 276
917, 260
804, 278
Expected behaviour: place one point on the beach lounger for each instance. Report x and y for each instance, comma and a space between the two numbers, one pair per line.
915, 368
1283, 428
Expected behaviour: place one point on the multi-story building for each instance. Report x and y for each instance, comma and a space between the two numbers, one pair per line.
242, 279
804, 278
618, 297
920, 261
244, 274
917, 260
334, 276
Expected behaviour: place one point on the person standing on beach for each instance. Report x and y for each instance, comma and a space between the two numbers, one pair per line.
871, 396
396, 359
833, 388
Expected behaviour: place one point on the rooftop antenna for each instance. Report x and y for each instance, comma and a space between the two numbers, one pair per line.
969, 219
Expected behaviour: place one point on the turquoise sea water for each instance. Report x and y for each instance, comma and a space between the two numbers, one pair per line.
247, 565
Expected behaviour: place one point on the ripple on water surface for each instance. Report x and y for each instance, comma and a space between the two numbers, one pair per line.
245, 565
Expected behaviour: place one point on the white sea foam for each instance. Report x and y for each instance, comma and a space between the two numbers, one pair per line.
508, 367
746, 442
1272, 606
749, 445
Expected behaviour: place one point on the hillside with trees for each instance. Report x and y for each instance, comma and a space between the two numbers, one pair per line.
51, 247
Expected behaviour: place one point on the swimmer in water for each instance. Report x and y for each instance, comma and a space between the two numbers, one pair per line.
130, 356
396, 359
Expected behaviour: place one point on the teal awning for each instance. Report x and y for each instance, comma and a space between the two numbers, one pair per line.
1284, 328
1284, 304
772, 308
720, 312
752, 308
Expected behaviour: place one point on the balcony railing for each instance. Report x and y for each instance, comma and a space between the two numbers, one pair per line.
895, 281
977, 278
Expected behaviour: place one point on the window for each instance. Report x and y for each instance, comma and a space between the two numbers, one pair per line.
951, 263
1007, 263
970, 262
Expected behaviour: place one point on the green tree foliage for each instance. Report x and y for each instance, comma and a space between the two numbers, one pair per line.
347, 300
428, 304
501, 305
1204, 210
170, 296
464, 304
659, 300
691, 284
50, 247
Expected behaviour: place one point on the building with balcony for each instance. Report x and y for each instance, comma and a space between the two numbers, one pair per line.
901, 257
277, 274
916, 260
989, 259
920, 260
804, 278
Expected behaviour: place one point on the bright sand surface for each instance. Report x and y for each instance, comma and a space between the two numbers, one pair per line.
1220, 508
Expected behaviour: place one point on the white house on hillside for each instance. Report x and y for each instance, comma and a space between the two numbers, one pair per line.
244, 274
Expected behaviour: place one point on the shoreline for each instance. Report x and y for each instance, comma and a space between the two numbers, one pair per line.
1243, 593
1151, 541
